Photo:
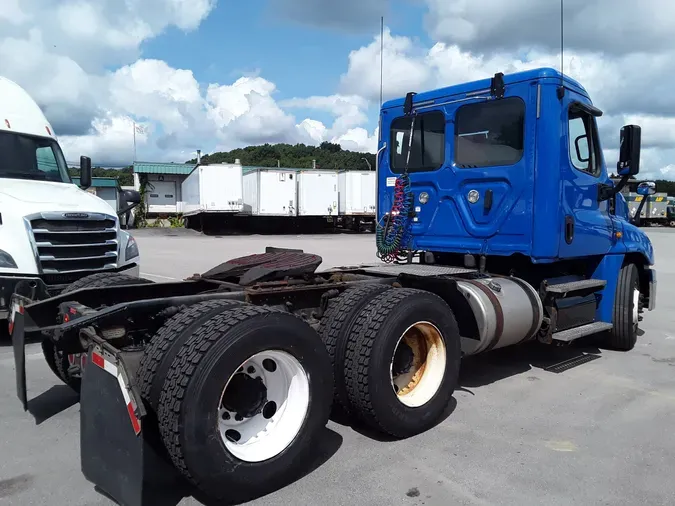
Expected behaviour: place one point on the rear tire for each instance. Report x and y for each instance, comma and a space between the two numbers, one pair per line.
191, 420
58, 361
165, 344
626, 310
336, 327
402, 362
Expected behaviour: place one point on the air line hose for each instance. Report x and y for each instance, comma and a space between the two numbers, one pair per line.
393, 236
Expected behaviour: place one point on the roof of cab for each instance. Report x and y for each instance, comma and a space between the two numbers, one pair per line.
20, 113
468, 87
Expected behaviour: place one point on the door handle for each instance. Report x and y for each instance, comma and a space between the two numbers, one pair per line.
569, 229
487, 203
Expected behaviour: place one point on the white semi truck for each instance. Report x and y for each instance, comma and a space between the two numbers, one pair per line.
52, 232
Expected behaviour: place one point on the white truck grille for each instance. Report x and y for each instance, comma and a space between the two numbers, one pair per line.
70, 242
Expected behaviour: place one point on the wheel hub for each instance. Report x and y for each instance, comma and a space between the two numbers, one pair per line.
263, 405
403, 359
245, 396
418, 364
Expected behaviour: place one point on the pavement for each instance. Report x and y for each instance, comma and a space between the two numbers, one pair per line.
521, 432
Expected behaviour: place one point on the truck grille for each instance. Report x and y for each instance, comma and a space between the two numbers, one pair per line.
64, 244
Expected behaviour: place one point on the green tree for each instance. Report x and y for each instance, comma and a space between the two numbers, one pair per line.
299, 156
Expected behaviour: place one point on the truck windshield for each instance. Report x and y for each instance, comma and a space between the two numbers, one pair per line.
28, 157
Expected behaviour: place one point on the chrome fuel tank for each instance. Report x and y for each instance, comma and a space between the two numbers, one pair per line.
507, 311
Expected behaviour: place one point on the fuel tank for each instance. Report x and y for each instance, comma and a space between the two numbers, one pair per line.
507, 311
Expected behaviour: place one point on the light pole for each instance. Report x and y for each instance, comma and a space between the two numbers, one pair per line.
370, 167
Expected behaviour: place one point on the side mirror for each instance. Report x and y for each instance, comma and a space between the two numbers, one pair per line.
130, 196
579, 148
647, 188
629, 151
85, 172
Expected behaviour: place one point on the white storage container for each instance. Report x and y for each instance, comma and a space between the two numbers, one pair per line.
270, 192
317, 193
213, 189
356, 192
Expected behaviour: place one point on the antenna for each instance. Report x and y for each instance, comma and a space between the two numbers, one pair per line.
561, 90
381, 58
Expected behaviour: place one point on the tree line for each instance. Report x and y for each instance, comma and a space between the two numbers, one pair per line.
299, 156
124, 176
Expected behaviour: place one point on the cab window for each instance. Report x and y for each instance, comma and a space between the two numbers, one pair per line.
427, 152
584, 147
489, 133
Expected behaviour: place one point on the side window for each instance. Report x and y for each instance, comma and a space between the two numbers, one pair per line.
583, 142
490, 133
46, 160
427, 152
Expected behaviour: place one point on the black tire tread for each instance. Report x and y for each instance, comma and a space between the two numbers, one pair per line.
183, 368
50, 356
334, 330
359, 348
622, 337
57, 362
103, 279
167, 335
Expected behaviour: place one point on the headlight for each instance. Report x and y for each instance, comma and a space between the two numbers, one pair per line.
7, 261
131, 250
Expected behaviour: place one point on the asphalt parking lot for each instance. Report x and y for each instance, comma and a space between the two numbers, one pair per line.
522, 431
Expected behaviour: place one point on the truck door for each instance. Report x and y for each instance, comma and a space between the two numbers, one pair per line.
586, 227
470, 158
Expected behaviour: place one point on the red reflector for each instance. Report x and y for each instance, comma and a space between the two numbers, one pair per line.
134, 420
98, 360
72, 310
66, 318
48, 130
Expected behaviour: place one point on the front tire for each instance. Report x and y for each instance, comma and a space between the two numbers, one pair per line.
244, 400
58, 361
402, 362
626, 310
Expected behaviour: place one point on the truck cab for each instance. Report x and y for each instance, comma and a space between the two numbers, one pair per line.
508, 174
52, 232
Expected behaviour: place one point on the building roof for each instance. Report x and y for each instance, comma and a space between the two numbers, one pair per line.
246, 169
163, 168
100, 182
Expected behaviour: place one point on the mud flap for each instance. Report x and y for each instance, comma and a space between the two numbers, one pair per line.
16, 330
118, 453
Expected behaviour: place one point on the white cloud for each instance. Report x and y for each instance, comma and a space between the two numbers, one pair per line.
10, 11
61, 52
404, 68
111, 140
349, 111
614, 27
640, 96
152, 89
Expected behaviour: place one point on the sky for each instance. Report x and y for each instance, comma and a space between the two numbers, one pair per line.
220, 74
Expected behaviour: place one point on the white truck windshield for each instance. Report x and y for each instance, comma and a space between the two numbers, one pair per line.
28, 157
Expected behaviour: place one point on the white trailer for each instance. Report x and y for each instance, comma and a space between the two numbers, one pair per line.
356, 193
356, 203
213, 189
317, 193
271, 192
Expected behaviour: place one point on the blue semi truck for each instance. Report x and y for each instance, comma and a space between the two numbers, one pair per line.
497, 225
